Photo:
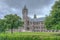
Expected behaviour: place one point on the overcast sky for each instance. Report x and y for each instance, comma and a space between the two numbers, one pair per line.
38, 7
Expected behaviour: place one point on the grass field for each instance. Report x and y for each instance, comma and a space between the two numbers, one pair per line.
30, 36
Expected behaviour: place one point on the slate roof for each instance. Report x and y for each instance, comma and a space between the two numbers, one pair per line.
37, 19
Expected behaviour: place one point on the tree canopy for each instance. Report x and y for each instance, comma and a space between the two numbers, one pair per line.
53, 20
11, 21
2, 25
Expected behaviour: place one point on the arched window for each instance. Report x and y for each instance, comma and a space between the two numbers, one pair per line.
27, 28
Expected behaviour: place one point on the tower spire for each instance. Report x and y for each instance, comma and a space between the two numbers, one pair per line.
25, 12
25, 7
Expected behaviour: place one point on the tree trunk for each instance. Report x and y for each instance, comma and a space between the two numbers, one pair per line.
12, 27
11, 30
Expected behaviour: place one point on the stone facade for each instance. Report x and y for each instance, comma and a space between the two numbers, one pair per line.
33, 25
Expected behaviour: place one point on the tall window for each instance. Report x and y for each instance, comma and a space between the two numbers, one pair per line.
27, 22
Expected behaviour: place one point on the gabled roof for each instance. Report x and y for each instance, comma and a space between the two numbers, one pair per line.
37, 19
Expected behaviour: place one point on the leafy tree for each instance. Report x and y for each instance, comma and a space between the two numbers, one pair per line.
53, 20
13, 21
2, 25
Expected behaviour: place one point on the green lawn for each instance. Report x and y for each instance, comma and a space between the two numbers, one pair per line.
30, 36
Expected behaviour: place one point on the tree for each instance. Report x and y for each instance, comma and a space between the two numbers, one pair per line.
13, 21
53, 20
2, 25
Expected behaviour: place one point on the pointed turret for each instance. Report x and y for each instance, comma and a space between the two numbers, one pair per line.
35, 16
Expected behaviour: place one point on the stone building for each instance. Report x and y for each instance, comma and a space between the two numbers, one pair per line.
33, 25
